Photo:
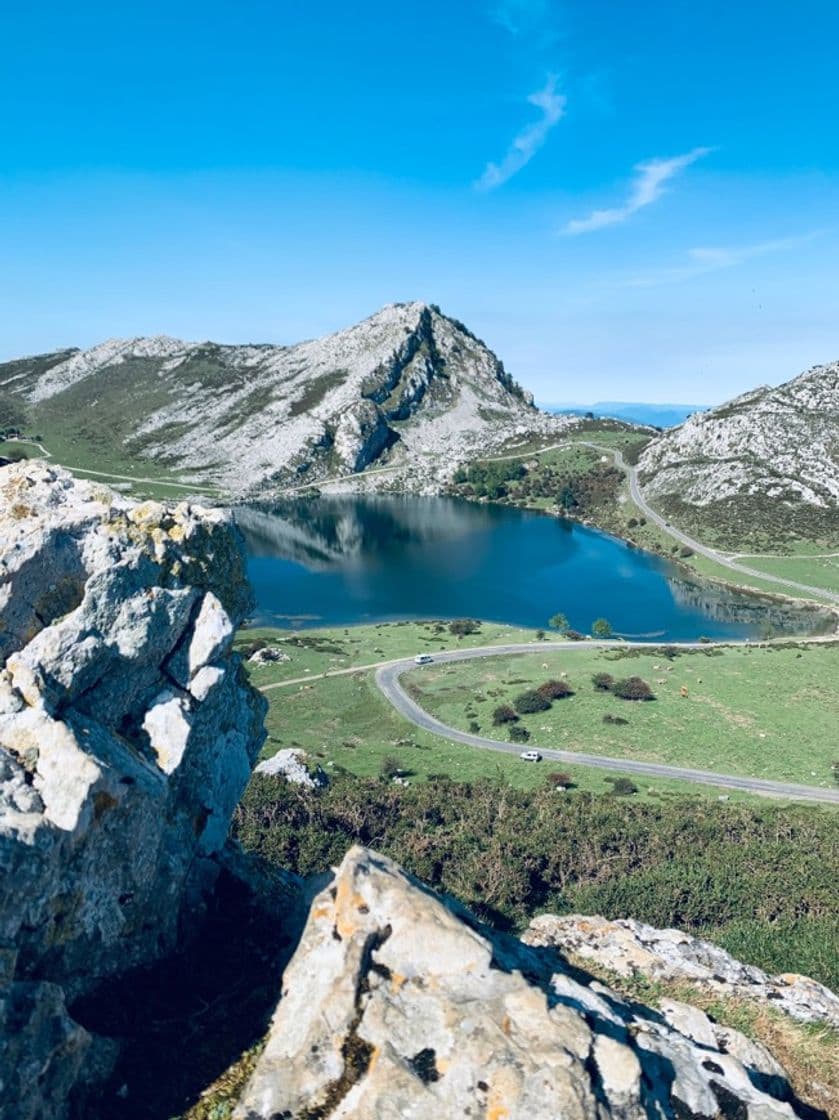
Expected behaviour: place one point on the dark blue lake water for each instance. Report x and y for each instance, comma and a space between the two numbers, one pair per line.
344, 560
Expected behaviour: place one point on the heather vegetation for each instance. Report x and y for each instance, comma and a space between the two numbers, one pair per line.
758, 879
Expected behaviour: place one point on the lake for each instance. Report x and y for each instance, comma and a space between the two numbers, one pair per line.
350, 559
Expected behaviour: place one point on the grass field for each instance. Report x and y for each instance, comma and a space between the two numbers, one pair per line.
818, 571
108, 466
725, 723
762, 712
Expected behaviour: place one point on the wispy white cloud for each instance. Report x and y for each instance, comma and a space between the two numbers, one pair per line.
528, 142
648, 186
711, 258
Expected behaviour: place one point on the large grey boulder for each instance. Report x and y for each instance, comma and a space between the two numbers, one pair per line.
398, 1006
628, 948
127, 734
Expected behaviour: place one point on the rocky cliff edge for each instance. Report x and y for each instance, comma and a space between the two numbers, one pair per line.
127, 734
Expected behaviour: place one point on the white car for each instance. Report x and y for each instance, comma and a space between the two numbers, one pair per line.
423, 658
530, 756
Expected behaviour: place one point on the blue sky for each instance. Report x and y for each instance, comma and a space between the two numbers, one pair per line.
627, 201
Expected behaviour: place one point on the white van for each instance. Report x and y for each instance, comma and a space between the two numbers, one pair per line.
423, 658
530, 756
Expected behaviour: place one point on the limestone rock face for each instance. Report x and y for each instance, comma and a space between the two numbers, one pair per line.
361, 434
627, 947
127, 734
397, 1006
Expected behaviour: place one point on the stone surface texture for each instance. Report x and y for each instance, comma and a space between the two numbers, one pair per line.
291, 764
398, 1006
127, 734
629, 948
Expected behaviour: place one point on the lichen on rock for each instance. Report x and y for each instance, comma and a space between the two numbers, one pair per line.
399, 1005
127, 734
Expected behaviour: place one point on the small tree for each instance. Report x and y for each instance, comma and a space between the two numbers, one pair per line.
632, 688
602, 628
474, 726
555, 690
540, 635
530, 701
558, 622
460, 627
503, 714
603, 682
518, 734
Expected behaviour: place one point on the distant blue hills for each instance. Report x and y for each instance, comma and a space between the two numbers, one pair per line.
635, 412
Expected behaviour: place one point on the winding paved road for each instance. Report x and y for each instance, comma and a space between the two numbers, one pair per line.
702, 549
388, 682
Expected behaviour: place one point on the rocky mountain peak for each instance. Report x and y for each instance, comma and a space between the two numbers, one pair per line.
406, 388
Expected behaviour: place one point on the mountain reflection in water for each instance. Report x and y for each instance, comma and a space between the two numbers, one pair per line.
343, 560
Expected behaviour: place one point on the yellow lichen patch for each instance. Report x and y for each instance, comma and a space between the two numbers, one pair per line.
319, 912
177, 533
397, 981
348, 903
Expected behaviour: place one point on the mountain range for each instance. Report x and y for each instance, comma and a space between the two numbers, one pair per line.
398, 402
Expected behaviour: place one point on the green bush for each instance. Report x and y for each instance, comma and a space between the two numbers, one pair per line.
603, 682
623, 787
531, 701
632, 688
555, 690
503, 714
460, 627
518, 733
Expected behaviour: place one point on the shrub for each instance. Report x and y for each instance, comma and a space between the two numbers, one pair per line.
632, 688
623, 787
540, 635
530, 701
603, 682
474, 726
574, 636
503, 714
555, 690
460, 627
391, 767
616, 721
560, 778
518, 734
685, 551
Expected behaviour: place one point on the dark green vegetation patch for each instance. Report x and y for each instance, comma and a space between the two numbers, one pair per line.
758, 880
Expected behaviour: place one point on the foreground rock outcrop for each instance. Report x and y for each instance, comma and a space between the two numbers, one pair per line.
398, 1006
630, 948
127, 734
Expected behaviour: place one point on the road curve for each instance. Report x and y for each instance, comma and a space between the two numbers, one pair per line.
704, 550
388, 682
